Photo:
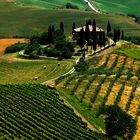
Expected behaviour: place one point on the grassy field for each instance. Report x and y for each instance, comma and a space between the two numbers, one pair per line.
19, 20
119, 6
53, 3
111, 6
111, 79
16, 70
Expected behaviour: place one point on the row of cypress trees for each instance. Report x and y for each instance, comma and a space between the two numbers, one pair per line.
92, 38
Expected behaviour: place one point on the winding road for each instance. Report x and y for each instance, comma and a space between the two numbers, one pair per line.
91, 6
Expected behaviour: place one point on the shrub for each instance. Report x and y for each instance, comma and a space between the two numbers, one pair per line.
81, 65
71, 6
32, 47
16, 48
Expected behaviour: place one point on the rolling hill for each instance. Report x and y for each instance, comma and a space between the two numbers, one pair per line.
53, 3
20, 20
119, 6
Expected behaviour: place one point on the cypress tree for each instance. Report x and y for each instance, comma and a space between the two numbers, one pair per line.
49, 35
73, 27
94, 35
53, 28
100, 39
94, 24
89, 22
108, 29
122, 37
103, 39
62, 26
115, 36
118, 34
81, 39
87, 32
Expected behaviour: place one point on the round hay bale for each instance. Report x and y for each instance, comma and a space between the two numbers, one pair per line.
45, 67
35, 78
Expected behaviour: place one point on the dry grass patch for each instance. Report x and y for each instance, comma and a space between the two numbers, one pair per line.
4, 43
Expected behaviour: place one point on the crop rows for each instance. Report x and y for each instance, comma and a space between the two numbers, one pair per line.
36, 112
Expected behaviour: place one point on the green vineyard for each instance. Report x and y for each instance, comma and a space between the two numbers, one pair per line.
36, 112
111, 80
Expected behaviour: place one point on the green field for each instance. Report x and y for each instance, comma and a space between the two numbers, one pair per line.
111, 6
36, 112
18, 20
129, 51
53, 3
24, 71
119, 6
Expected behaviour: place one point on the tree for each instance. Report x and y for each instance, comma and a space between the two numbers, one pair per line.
81, 65
94, 35
81, 40
108, 29
103, 39
118, 123
73, 27
122, 37
118, 34
87, 32
100, 39
62, 26
89, 22
53, 29
49, 40
115, 36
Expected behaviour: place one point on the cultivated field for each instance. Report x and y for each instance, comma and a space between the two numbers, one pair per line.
111, 79
36, 112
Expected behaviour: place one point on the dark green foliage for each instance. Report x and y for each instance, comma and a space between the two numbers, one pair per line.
100, 39
118, 123
94, 35
109, 33
133, 39
81, 65
118, 34
39, 38
73, 27
36, 112
58, 36
31, 48
50, 35
81, 40
87, 32
71, 6
62, 26
115, 36
16, 48
122, 35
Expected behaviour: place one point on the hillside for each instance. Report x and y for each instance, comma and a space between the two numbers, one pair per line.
53, 3
119, 6
27, 20
36, 112
112, 79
